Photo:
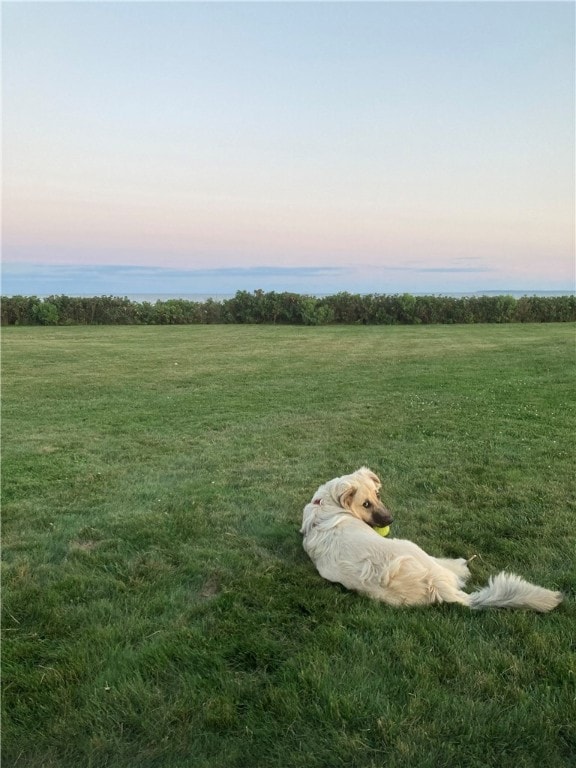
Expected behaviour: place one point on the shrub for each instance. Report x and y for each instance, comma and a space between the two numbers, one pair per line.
289, 308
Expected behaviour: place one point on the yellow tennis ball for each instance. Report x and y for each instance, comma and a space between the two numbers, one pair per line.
383, 531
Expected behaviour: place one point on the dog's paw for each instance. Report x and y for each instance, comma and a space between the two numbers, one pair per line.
461, 570
458, 566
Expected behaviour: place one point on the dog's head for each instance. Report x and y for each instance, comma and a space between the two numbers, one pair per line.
359, 494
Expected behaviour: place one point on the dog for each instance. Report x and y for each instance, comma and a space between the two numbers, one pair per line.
338, 536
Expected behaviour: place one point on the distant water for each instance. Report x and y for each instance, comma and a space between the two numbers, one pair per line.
202, 297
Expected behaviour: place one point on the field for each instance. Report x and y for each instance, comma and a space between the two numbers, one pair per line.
159, 610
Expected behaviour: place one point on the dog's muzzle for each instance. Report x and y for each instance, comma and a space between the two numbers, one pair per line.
381, 518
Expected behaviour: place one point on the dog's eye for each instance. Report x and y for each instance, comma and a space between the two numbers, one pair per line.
367, 504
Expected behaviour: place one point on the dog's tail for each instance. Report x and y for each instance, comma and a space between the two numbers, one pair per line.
506, 590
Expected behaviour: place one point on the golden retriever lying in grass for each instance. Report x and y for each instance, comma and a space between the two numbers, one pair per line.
337, 526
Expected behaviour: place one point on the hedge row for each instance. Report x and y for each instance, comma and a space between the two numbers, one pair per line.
288, 308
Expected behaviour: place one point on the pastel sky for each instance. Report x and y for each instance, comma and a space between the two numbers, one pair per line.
188, 147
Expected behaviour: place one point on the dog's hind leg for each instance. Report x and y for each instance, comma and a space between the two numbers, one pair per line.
409, 582
448, 592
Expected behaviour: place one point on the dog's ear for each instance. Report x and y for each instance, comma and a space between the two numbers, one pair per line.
346, 493
371, 476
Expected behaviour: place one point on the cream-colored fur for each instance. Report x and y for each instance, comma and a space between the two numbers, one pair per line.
337, 526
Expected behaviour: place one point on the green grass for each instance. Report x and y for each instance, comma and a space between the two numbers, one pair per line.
159, 610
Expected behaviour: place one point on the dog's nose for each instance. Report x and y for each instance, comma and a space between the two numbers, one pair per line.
383, 518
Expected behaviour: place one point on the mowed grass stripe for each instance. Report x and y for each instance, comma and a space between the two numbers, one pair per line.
158, 607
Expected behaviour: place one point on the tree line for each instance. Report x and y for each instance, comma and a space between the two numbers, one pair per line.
289, 309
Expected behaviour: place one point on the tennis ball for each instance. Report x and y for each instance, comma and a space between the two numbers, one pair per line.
383, 531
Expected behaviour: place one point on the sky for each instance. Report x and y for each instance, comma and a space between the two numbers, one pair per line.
208, 147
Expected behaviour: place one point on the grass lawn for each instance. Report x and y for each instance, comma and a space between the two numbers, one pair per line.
159, 611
